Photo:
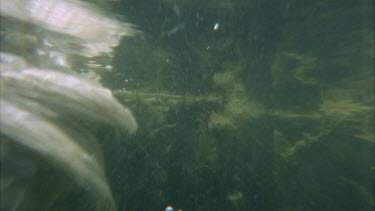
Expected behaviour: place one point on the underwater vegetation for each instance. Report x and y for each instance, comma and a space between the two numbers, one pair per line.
272, 111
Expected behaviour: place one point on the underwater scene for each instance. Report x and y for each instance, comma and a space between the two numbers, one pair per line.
215, 105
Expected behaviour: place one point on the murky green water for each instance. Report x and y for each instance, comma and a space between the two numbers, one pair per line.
271, 110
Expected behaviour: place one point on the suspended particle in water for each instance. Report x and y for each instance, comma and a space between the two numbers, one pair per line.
216, 26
